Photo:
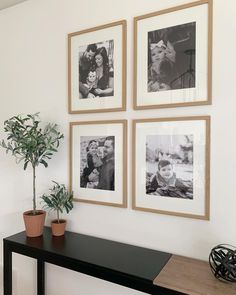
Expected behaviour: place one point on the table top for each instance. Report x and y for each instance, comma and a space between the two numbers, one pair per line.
128, 259
193, 277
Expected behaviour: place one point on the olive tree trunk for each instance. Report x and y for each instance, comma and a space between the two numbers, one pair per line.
34, 192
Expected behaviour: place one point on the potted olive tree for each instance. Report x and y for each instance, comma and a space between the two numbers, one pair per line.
59, 200
33, 145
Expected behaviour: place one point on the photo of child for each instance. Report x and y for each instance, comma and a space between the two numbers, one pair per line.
169, 166
161, 67
93, 162
97, 163
91, 83
171, 58
165, 183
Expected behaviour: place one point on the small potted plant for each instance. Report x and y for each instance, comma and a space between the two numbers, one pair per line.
59, 200
32, 145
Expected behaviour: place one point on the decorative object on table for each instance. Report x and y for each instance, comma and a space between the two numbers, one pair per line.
173, 57
97, 69
59, 200
171, 166
98, 162
33, 145
222, 260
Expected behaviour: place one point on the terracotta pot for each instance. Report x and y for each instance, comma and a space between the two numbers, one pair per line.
58, 229
34, 223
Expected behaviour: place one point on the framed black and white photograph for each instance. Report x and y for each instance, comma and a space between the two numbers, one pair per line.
172, 57
171, 166
97, 69
169, 163
98, 162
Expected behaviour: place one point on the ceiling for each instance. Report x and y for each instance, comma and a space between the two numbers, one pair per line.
7, 3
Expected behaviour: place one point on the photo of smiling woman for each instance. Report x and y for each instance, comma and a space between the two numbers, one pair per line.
96, 70
169, 164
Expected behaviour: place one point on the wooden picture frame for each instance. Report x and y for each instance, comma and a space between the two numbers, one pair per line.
171, 166
98, 162
97, 69
173, 57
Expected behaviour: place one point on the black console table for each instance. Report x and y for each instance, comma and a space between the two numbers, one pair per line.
142, 269
123, 264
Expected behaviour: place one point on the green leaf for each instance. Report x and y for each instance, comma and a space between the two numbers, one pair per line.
59, 199
25, 165
44, 163
27, 140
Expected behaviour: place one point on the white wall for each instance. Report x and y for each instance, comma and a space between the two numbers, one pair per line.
33, 77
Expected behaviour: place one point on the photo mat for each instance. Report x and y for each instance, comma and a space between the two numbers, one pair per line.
98, 162
171, 166
173, 57
97, 69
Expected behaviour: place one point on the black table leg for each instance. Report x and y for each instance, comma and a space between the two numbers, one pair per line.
7, 272
40, 277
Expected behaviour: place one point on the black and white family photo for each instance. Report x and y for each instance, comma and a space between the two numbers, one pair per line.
97, 162
96, 70
171, 58
169, 166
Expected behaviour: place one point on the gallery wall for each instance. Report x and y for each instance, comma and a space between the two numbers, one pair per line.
33, 77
